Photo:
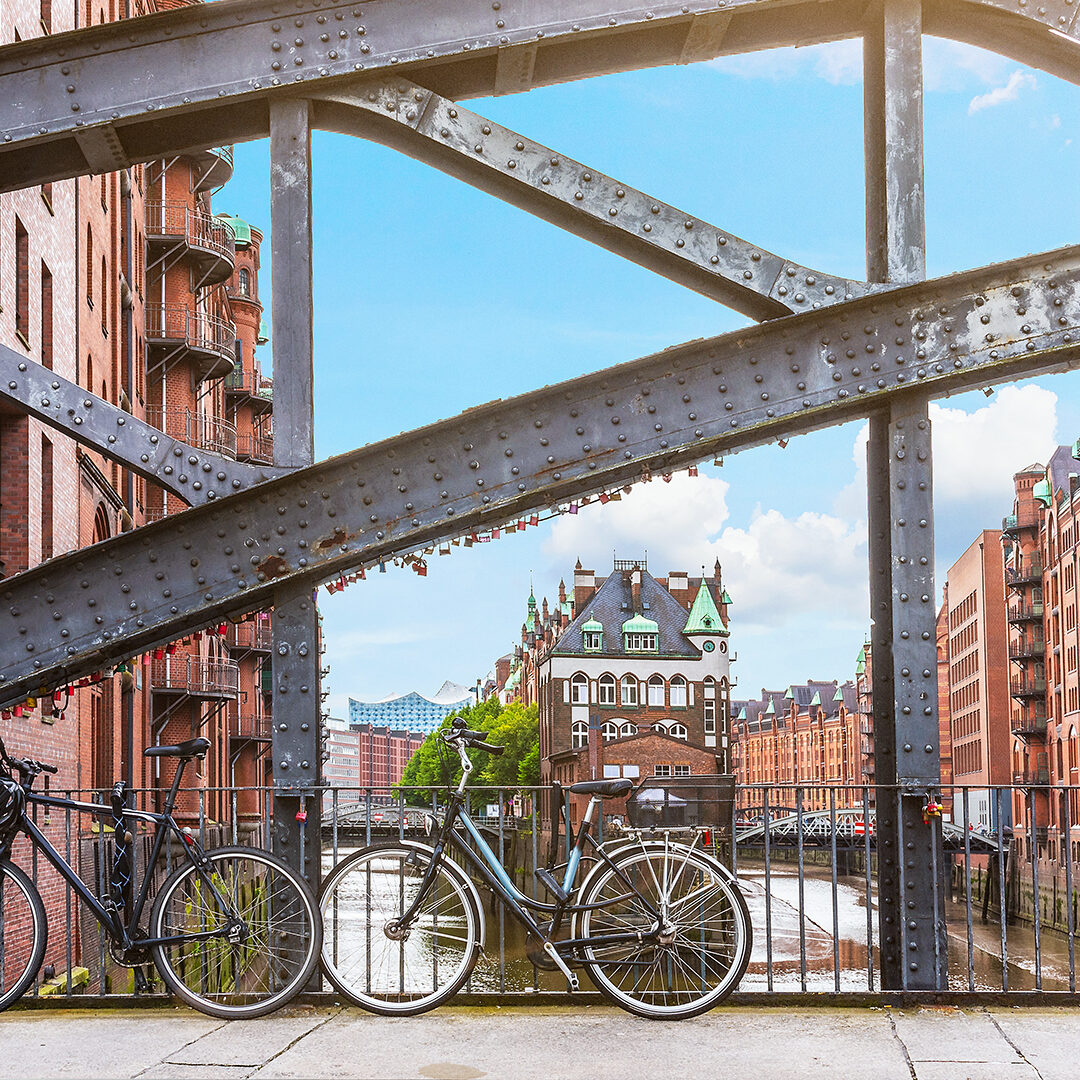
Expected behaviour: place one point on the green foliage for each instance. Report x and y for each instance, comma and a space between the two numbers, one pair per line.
513, 726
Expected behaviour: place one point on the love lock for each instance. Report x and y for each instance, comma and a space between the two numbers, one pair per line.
931, 809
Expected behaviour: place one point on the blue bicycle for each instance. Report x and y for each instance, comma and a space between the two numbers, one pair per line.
659, 925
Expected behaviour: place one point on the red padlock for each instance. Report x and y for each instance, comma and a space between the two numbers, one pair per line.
931, 808
301, 816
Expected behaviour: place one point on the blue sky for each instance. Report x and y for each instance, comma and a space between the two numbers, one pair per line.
431, 297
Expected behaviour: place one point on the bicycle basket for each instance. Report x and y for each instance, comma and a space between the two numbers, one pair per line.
679, 802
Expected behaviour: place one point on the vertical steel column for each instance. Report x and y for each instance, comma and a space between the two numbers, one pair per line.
900, 519
297, 747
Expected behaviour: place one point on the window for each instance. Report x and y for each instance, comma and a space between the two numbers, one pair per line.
89, 267
605, 687
609, 731
709, 686
579, 690
661, 770
628, 729
656, 692
628, 689
641, 642
22, 283
579, 735
678, 692
678, 731
46, 499
46, 317
680, 770
243, 282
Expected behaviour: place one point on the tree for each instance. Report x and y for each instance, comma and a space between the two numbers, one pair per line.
513, 726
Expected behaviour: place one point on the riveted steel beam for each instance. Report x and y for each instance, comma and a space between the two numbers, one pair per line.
188, 472
497, 461
712, 261
200, 76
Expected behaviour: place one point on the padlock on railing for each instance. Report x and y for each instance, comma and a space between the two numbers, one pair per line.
931, 808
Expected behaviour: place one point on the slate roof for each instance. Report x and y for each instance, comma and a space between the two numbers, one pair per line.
612, 605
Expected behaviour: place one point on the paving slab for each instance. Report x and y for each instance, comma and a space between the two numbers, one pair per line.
1048, 1038
974, 1070
950, 1033
82, 1043
251, 1043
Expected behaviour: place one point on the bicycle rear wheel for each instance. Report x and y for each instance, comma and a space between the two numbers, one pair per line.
368, 959
704, 949
247, 956
23, 933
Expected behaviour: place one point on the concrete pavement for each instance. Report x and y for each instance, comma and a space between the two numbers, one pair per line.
549, 1042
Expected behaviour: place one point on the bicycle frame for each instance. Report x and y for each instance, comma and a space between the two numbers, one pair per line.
119, 930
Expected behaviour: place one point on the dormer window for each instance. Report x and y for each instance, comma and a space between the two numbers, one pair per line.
641, 635
642, 643
592, 634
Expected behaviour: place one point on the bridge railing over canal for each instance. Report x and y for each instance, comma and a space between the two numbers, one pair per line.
805, 857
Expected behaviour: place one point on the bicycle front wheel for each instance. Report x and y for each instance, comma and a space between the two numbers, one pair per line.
23, 933
247, 929
688, 964
374, 961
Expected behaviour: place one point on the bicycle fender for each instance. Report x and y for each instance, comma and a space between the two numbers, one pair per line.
463, 877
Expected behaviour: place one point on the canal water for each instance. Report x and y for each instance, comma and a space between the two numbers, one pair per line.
807, 930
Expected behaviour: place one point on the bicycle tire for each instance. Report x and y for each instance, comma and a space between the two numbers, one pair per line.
20, 955
245, 979
709, 947
360, 899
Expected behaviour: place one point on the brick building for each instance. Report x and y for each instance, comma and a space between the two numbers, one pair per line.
368, 756
978, 674
128, 284
635, 683
812, 734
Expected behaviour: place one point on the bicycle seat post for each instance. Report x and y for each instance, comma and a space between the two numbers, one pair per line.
170, 799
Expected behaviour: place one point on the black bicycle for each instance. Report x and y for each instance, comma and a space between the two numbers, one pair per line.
233, 931
659, 924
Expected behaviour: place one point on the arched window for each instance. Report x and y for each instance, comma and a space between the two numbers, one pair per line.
579, 735
101, 524
579, 689
660, 727
605, 690
609, 731
678, 692
628, 729
243, 282
677, 731
656, 692
628, 689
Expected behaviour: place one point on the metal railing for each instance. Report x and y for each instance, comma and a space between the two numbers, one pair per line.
1023, 611
253, 727
199, 430
181, 673
198, 331
255, 448
1025, 570
808, 877
1022, 647
252, 634
1027, 685
1031, 721
251, 382
180, 222
1028, 518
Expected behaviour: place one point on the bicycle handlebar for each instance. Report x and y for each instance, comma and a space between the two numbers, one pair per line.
25, 766
475, 740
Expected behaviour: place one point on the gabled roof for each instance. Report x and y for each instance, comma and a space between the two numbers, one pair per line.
612, 606
704, 618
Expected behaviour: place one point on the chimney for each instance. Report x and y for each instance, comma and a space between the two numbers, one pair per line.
584, 586
635, 590
678, 584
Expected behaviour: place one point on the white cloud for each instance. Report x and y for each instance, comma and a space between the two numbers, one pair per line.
837, 62
1018, 80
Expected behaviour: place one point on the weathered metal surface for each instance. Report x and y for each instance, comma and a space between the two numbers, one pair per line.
138, 89
192, 474
580, 199
499, 460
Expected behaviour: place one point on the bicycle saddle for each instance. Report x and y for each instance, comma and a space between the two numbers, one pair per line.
191, 748
606, 789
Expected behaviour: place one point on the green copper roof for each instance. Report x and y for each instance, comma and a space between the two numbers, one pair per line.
771, 710
860, 662
1042, 492
790, 694
565, 607
239, 226
704, 618
816, 699
742, 714
264, 333
839, 695
725, 599
592, 627
640, 625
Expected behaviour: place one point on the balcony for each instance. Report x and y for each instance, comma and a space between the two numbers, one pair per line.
1025, 611
1033, 776
209, 240
253, 727
1024, 648
254, 634
203, 432
182, 674
212, 167
1028, 686
1025, 571
209, 341
1029, 723
258, 449
1027, 518
252, 386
